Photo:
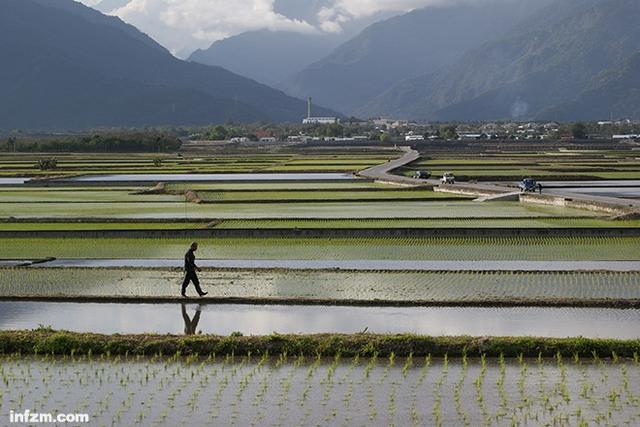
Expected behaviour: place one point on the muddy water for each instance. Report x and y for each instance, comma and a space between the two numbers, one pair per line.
261, 320
364, 265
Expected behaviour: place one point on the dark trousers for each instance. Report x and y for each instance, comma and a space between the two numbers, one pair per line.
191, 276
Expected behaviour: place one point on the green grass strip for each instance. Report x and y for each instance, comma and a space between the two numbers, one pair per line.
47, 341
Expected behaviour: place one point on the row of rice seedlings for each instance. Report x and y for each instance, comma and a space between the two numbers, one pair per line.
186, 383
431, 248
406, 285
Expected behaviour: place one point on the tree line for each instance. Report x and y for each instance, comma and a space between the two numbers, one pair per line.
98, 143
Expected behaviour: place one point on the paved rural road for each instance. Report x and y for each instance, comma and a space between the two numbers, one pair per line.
382, 171
488, 191
359, 265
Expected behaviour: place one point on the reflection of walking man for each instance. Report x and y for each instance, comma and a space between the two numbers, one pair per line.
190, 325
190, 269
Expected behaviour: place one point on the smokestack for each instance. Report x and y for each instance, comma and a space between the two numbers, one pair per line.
309, 107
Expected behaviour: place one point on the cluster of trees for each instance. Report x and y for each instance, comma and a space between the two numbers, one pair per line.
98, 143
48, 164
579, 131
221, 133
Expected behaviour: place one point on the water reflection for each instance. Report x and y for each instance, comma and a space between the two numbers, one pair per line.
190, 325
224, 319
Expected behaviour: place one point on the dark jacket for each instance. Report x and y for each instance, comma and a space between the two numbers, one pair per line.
190, 262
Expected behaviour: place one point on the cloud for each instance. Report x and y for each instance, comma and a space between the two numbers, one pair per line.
185, 25
337, 13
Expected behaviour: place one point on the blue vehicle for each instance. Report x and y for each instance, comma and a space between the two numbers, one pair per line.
528, 185
422, 175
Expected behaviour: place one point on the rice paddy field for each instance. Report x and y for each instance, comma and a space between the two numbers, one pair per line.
73, 164
560, 165
297, 390
389, 208
437, 248
87, 247
330, 286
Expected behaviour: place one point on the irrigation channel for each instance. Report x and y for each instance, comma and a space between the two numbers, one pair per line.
224, 319
355, 265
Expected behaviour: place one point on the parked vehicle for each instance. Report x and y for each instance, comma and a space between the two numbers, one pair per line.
528, 185
422, 175
448, 178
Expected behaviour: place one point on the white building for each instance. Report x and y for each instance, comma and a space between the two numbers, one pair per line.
629, 136
310, 120
239, 139
409, 138
469, 136
320, 120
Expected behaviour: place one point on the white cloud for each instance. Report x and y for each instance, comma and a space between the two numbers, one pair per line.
337, 13
185, 25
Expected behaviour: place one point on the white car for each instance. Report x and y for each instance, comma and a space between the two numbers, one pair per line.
448, 178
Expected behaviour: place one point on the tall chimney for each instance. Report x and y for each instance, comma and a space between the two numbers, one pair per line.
309, 107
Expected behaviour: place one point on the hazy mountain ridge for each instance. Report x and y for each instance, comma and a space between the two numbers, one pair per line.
266, 56
528, 73
614, 93
401, 47
271, 57
72, 67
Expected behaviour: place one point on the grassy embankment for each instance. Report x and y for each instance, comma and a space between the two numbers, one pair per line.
45, 341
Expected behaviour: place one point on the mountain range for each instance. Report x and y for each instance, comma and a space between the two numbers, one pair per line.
69, 66
271, 57
419, 42
573, 60
267, 56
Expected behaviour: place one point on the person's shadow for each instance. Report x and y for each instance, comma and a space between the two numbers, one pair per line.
190, 325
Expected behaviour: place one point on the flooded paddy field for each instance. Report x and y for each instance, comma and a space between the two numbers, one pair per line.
515, 223
203, 177
249, 390
12, 181
375, 287
225, 319
26, 164
102, 224
355, 265
441, 286
308, 210
622, 192
453, 248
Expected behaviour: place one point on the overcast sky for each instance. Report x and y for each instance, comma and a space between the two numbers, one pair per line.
185, 25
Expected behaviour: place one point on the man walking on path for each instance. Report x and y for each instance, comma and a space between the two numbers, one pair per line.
190, 269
